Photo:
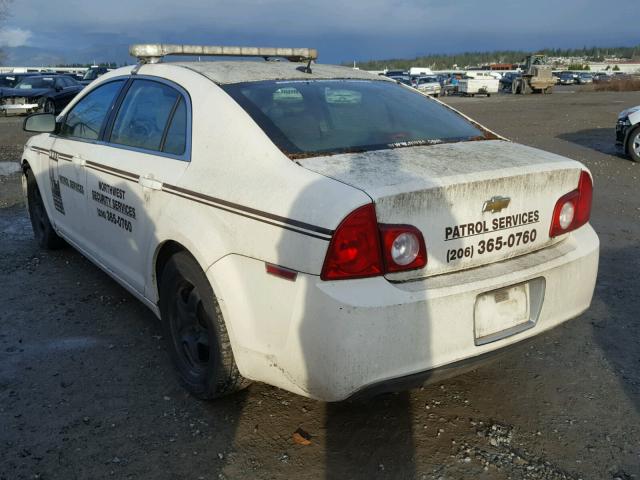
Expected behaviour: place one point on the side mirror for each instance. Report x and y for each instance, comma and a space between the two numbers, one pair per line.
40, 123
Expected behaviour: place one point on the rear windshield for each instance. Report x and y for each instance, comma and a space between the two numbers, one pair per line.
307, 118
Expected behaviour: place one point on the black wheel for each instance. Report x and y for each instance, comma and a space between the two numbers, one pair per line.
43, 231
195, 331
49, 106
633, 144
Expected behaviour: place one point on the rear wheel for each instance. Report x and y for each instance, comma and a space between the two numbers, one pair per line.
195, 331
633, 145
43, 231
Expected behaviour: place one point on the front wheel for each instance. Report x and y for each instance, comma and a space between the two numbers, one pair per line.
195, 332
49, 106
43, 231
633, 144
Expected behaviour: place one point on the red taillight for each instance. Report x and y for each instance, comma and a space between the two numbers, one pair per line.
573, 209
402, 248
356, 251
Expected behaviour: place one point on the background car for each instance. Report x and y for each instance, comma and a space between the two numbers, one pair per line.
507, 80
50, 93
567, 78
628, 132
601, 78
584, 78
396, 73
91, 74
429, 85
402, 79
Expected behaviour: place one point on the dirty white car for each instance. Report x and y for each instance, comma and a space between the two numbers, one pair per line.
314, 227
628, 132
428, 85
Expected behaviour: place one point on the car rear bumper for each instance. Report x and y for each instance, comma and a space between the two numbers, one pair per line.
332, 340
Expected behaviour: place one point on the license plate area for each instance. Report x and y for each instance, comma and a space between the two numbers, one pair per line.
506, 311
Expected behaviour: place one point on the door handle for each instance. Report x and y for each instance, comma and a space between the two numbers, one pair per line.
81, 162
148, 182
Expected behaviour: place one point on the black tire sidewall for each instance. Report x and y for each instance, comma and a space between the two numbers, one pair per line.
44, 234
183, 267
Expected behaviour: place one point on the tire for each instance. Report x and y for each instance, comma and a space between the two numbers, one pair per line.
195, 332
633, 145
49, 106
43, 231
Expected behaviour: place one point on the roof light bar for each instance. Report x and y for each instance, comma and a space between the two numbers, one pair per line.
154, 52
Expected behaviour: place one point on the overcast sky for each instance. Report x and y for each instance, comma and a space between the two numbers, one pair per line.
41, 31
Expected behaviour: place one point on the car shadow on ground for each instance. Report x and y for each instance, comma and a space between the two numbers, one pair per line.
618, 333
602, 140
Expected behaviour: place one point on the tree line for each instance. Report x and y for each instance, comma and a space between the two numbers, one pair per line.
444, 61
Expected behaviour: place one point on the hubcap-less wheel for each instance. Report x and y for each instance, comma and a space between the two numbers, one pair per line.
189, 328
195, 331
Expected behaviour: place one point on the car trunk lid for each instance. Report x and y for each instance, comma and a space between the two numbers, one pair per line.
474, 202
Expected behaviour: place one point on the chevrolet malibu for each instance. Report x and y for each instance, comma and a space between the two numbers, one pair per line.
314, 227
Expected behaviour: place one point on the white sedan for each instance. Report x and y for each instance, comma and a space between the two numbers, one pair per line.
309, 226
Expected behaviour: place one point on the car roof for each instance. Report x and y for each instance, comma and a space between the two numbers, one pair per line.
229, 72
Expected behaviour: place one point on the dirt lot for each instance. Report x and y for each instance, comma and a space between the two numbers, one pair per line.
87, 391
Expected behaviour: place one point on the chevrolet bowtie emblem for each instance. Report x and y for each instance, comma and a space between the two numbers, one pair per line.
495, 204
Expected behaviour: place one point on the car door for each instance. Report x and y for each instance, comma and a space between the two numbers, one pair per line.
147, 143
78, 139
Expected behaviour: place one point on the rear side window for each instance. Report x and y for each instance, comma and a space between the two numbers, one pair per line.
87, 117
152, 116
175, 141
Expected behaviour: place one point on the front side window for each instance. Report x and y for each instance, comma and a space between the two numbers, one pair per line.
146, 110
318, 117
87, 117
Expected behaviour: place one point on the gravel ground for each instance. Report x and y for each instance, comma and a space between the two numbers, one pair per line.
87, 391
